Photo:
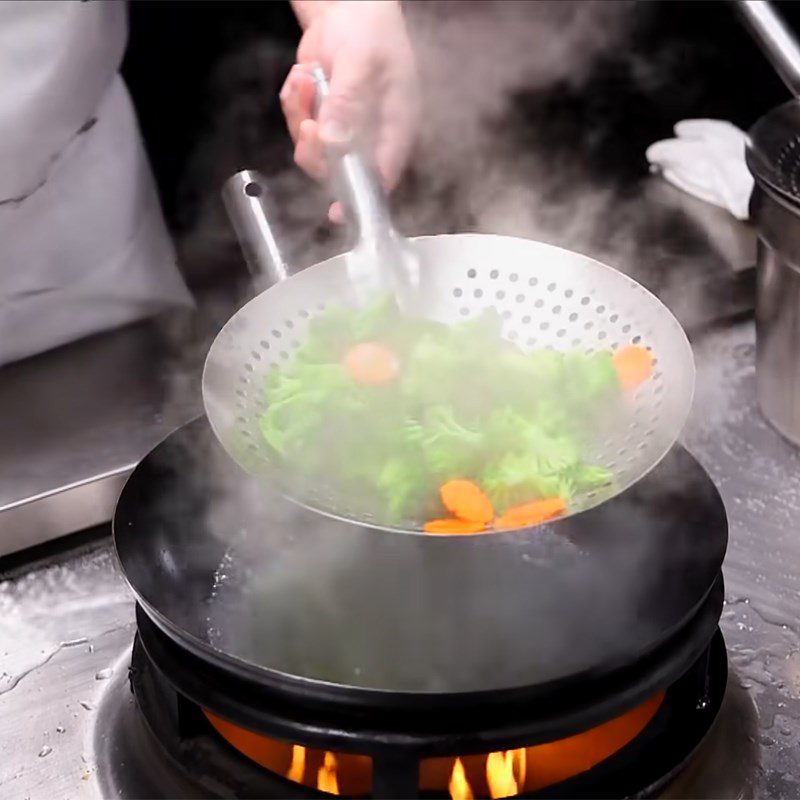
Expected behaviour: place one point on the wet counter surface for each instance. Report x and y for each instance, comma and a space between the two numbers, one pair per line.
66, 625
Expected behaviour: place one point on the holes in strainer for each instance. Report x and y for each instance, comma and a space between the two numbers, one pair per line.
601, 309
284, 355
513, 277
573, 317
506, 314
539, 303
576, 342
244, 379
613, 318
512, 335
544, 326
520, 298
588, 325
530, 342
302, 313
276, 334
494, 274
602, 335
478, 293
561, 332
500, 295
526, 320
585, 300
464, 311
264, 344
626, 328
248, 367
533, 282
457, 292
295, 344
636, 339
568, 293
551, 287
241, 393
556, 309
289, 324
471, 273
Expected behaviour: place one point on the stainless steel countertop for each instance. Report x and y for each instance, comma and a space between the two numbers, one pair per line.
63, 623
75, 422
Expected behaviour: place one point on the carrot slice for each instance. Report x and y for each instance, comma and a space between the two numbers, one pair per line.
634, 365
371, 363
531, 513
466, 500
453, 526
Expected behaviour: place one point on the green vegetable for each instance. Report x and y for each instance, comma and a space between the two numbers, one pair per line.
465, 404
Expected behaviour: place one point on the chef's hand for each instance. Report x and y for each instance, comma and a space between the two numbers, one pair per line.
364, 48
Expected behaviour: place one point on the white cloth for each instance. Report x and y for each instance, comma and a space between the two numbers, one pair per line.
706, 160
83, 245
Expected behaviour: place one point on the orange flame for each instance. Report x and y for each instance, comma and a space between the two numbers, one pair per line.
505, 772
520, 759
459, 785
326, 777
298, 766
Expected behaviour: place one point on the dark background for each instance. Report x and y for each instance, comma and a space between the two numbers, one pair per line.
712, 69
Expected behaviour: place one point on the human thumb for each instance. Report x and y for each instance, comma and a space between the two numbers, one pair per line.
342, 113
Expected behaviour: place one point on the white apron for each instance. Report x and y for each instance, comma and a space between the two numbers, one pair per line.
83, 245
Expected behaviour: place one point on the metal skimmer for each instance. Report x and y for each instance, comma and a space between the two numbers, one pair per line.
547, 297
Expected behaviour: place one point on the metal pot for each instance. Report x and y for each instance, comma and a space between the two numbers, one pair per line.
773, 158
778, 310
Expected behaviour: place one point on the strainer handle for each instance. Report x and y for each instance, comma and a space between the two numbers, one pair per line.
246, 196
354, 181
774, 38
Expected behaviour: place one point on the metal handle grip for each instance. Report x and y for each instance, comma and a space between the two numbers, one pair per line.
774, 38
245, 196
354, 182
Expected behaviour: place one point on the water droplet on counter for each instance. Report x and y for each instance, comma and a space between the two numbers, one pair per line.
45, 751
87, 705
60, 729
103, 675
74, 642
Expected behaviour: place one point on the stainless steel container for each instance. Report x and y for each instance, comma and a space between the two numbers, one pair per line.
778, 310
773, 157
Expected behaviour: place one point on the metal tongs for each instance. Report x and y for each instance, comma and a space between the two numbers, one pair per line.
381, 261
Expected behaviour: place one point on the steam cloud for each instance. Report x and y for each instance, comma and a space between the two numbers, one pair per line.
469, 173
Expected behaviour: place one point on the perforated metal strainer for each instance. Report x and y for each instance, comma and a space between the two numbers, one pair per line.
546, 296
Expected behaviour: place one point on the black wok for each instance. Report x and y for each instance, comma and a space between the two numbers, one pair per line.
309, 604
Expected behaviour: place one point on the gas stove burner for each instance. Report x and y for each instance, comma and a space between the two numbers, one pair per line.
633, 753
582, 659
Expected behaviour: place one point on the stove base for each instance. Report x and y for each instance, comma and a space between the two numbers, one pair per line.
197, 762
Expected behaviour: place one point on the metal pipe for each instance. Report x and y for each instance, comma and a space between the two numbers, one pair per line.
246, 199
775, 39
